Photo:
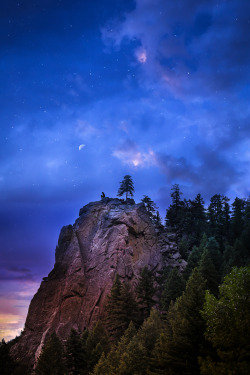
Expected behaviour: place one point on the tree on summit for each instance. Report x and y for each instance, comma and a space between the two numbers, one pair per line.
149, 204
126, 186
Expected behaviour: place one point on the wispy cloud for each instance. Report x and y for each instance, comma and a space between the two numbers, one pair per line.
129, 153
179, 37
16, 273
15, 298
10, 326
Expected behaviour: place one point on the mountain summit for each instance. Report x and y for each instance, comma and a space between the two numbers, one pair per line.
110, 237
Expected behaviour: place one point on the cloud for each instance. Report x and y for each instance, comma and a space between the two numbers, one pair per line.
85, 130
177, 168
129, 153
212, 173
190, 47
10, 326
16, 273
141, 55
15, 296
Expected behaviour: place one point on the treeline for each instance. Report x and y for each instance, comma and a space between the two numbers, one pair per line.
228, 225
192, 322
200, 333
223, 221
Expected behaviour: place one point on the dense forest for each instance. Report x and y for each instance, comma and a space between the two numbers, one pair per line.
191, 322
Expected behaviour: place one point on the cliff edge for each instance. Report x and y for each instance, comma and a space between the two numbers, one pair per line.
109, 237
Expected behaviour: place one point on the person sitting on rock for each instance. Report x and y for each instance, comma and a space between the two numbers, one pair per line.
103, 195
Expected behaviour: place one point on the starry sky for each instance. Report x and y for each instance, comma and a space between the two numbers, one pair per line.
92, 90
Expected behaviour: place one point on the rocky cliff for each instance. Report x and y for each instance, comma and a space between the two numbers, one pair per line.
109, 237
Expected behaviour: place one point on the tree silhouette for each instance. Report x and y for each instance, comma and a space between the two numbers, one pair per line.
126, 186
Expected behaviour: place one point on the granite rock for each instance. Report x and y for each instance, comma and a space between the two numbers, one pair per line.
109, 237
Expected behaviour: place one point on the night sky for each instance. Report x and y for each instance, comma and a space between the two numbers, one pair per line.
92, 90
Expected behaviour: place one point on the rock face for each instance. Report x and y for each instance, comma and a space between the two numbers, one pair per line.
109, 237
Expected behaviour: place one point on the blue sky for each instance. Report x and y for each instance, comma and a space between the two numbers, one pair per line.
94, 90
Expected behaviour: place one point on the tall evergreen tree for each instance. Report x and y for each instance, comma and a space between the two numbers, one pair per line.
195, 256
132, 355
121, 309
173, 288
199, 217
183, 247
193, 220
145, 291
158, 221
52, 358
237, 255
150, 205
85, 355
109, 365
126, 187
180, 344
113, 310
237, 220
214, 253
128, 306
96, 344
247, 212
228, 330
245, 240
7, 364
209, 272
226, 220
219, 218
136, 359
174, 215
76, 358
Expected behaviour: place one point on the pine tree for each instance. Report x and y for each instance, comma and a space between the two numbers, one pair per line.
7, 364
128, 307
85, 352
75, 355
193, 220
96, 344
228, 330
180, 344
173, 288
184, 247
245, 241
136, 358
51, 360
209, 273
132, 360
198, 215
102, 368
126, 186
214, 252
215, 214
113, 310
237, 221
145, 291
174, 215
121, 309
150, 331
226, 220
158, 221
195, 256
109, 365
150, 205
219, 218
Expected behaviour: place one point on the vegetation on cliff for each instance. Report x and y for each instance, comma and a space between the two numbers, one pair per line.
172, 322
